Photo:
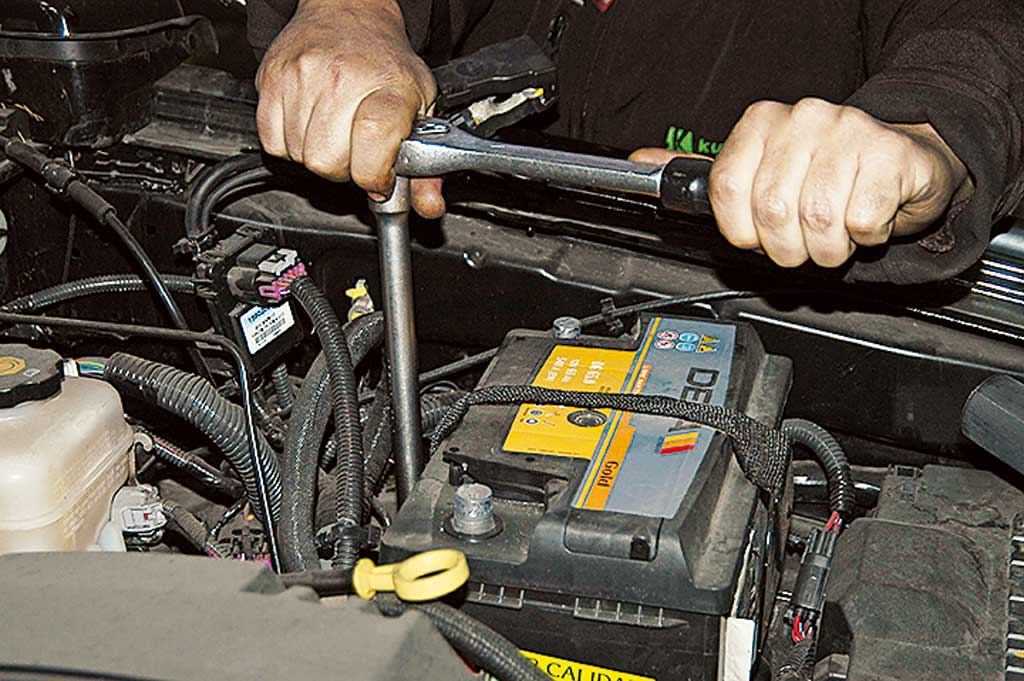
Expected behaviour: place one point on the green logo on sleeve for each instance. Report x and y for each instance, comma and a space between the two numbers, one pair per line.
681, 139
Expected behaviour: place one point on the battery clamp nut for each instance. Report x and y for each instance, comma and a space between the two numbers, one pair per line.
567, 328
473, 517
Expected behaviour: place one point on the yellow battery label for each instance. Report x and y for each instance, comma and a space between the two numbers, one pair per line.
567, 670
568, 431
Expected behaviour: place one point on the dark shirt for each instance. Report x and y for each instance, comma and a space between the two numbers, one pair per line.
679, 74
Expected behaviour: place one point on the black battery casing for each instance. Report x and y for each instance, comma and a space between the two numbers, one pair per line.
644, 595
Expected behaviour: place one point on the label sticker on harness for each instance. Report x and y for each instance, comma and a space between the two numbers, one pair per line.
639, 464
261, 325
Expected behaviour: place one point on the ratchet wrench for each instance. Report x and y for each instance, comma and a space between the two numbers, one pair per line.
435, 148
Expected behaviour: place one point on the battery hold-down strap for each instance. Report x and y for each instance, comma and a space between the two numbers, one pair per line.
762, 452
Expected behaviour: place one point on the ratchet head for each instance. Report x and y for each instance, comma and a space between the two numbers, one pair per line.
436, 147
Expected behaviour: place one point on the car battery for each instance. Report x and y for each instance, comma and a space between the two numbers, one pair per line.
622, 545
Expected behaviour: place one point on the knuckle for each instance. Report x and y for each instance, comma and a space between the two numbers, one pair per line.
813, 107
816, 214
371, 128
311, 62
771, 210
724, 187
764, 107
851, 114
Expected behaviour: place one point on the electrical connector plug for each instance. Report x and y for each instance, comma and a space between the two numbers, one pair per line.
277, 289
808, 597
262, 274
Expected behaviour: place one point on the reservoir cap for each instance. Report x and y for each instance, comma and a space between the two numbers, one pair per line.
28, 374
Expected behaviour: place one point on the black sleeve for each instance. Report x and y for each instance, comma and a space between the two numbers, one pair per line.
958, 65
426, 21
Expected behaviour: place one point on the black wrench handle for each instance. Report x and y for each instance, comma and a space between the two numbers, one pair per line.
684, 186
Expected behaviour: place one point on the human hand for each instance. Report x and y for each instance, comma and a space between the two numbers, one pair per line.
339, 90
814, 180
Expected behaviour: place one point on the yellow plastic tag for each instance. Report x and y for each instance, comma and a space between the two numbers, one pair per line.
426, 576
567, 670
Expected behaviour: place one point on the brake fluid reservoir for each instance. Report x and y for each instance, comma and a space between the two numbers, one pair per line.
64, 448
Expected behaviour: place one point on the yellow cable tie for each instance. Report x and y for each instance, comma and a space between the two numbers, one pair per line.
426, 576
356, 292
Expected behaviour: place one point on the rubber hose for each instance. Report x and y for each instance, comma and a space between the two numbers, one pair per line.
196, 400
187, 523
842, 494
478, 643
102, 285
193, 465
208, 183
798, 662
348, 473
433, 407
310, 417
282, 388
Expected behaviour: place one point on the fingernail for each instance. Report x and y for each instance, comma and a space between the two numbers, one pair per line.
376, 197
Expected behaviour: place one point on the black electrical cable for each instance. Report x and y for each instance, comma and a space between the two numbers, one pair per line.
324, 582
187, 523
480, 644
67, 182
101, 285
195, 466
282, 381
123, 331
797, 663
842, 493
244, 180
232, 511
762, 452
349, 472
207, 184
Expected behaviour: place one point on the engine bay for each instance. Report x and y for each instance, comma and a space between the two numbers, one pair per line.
634, 453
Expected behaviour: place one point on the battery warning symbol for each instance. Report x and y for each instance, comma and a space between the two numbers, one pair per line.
696, 342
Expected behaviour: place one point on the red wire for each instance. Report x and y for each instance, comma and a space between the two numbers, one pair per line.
797, 634
833, 521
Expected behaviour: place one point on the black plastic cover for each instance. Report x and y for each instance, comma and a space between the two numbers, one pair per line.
86, 77
496, 70
930, 588
28, 374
